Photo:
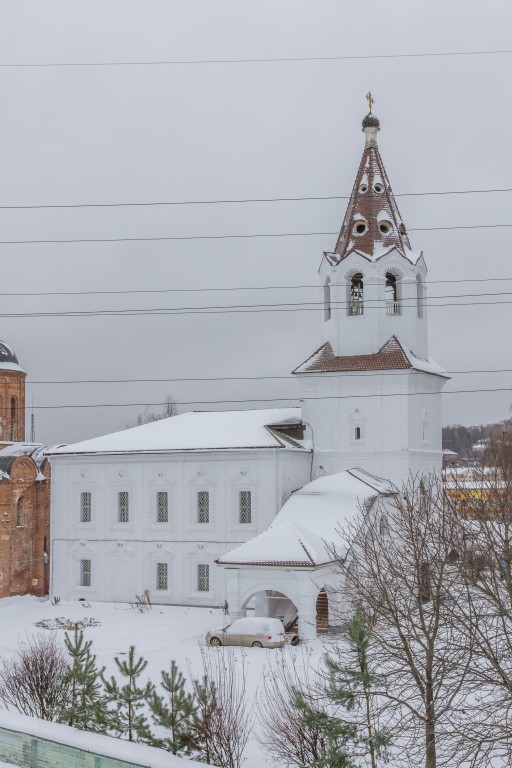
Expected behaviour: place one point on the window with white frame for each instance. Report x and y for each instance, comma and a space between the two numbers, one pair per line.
203, 577
162, 507
123, 509
203, 506
85, 507
85, 573
162, 573
244, 507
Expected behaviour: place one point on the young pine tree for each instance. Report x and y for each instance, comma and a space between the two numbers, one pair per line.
350, 685
84, 704
126, 718
174, 712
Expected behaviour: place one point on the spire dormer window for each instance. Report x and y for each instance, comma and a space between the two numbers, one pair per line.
356, 298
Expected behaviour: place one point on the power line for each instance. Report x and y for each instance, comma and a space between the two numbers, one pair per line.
234, 288
44, 206
224, 237
267, 400
289, 377
241, 309
274, 60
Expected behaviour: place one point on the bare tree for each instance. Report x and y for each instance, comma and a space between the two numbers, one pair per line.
282, 733
483, 610
170, 408
33, 681
400, 572
221, 722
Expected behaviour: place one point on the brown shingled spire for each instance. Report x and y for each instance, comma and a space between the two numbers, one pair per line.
372, 224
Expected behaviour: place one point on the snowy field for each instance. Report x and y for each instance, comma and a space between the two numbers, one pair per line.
161, 634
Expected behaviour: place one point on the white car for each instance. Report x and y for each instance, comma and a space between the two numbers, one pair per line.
258, 632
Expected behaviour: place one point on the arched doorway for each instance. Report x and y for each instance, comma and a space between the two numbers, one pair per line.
322, 613
274, 604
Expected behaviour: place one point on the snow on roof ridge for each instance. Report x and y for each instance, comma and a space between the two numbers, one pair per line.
195, 431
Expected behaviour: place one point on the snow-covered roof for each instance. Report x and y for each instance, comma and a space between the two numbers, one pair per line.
310, 521
199, 431
8, 359
94, 743
393, 355
9, 452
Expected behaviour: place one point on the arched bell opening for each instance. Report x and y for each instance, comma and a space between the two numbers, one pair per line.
355, 304
327, 300
392, 294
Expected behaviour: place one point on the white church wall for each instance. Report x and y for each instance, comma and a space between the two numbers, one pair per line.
374, 420
129, 555
365, 333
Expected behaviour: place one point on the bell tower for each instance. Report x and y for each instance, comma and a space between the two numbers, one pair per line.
371, 393
12, 396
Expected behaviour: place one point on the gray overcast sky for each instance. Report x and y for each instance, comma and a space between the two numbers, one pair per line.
110, 134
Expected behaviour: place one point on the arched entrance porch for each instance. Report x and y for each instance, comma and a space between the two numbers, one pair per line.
270, 602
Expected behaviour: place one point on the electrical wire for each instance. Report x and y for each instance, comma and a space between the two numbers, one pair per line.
273, 60
234, 288
235, 309
164, 238
264, 400
44, 206
289, 377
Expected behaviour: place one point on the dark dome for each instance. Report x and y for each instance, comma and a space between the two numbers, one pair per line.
370, 121
7, 354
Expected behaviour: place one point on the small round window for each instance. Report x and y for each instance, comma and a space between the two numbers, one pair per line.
385, 227
378, 187
363, 188
360, 227
403, 229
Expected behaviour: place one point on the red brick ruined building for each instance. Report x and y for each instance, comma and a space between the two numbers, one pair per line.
24, 491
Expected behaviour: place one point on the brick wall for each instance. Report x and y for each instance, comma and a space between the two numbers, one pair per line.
24, 527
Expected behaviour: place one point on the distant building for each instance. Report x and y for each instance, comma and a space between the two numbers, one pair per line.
24, 491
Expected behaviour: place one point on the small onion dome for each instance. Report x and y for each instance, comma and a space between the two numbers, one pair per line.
370, 121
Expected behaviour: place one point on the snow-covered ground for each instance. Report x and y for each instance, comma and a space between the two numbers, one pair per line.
161, 634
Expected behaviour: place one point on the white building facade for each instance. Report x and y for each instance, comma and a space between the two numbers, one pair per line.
371, 398
154, 507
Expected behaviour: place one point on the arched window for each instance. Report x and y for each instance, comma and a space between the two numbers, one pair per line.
20, 512
419, 295
14, 420
327, 300
392, 297
424, 427
357, 433
383, 526
356, 298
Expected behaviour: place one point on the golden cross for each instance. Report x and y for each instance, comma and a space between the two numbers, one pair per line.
370, 100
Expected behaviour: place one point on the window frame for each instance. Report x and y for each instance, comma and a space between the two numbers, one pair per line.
161, 565
82, 509
160, 493
119, 510
205, 575
85, 575
241, 493
203, 493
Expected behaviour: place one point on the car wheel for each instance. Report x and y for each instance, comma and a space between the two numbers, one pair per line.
215, 641
257, 644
